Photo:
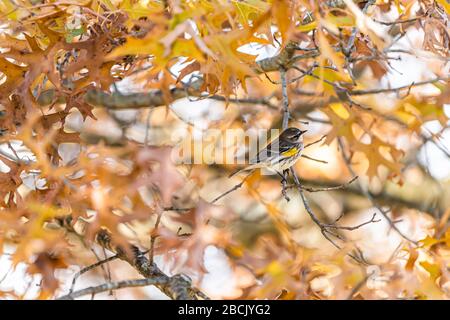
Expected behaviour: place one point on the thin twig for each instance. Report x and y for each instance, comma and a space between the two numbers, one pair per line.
390, 23
114, 286
177, 209
7, 273
313, 143
88, 268
285, 100
285, 123
105, 272
369, 196
325, 228
308, 209
108, 270
372, 220
338, 187
261, 101
176, 287
409, 86
154, 235
313, 159
359, 285
237, 186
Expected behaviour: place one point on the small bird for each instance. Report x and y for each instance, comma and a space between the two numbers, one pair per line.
280, 154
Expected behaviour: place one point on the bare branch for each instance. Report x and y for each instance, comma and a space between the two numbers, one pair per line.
369, 196
372, 220
359, 285
285, 123
177, 209
338, 187
308, 209
155, 98
326, 229
409, 86
260, 101
88, 268
175, 287
114, 286
313, 159
285, 98
237, 186
317, 141
390, 23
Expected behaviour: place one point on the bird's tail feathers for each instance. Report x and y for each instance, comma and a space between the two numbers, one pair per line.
251, 167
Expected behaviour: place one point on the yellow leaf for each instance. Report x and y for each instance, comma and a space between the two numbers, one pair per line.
138, 46
447, 237
109, 4
429, 290
445, 5
250, 9
405, 117
307, 27
428, 242
328, 52
46, 212
374, 30
399, 7
433, 269
413, 255
235, 251
354, 279
328, 269
187, 48
286, 295
8, 9
340, 110
282, 13
340, 21
275, 269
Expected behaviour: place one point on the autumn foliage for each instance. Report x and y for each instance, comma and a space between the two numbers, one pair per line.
93, 94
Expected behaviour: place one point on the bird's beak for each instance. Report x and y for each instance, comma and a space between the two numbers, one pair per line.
303, 131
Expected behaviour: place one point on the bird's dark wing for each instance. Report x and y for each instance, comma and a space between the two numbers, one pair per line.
273, 149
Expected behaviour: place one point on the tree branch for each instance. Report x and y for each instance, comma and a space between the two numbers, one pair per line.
386, 90
313, 159
88, 268
327, 230
369, 196
177, 287
333, 226
155, 98
317, 141
359, 285
237, 186
338, 187
156, 281
285, 98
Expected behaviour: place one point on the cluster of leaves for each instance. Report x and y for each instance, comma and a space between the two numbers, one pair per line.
62, 58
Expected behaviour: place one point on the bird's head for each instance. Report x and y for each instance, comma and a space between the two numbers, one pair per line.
292, 134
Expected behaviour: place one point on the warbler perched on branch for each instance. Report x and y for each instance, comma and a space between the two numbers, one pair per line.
280, 154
